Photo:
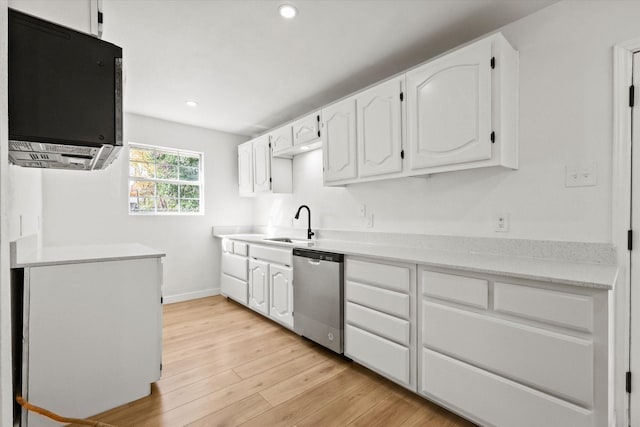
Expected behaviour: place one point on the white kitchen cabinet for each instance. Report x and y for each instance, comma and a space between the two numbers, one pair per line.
379, 129
259, 286
261, 173
540, 353
235, 271
462, 109
92, 335
307, 129
281, 139
281, 294
339, 141
245, 168
261, 165
380, 318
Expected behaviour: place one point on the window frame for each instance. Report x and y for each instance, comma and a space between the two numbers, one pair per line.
176, 151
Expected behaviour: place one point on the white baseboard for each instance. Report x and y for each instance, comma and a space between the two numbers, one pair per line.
170, 299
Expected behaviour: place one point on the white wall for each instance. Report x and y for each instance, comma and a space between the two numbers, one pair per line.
69, 13
565, 120
86, 208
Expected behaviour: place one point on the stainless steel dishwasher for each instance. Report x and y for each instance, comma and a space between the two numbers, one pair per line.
318, 287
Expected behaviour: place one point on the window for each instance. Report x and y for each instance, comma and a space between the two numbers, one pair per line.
164, 181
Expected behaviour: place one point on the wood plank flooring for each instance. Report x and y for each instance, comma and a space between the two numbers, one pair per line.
225, 365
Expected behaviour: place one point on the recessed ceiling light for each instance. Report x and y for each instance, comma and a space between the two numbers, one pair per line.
287, 11
191, 103
304, 147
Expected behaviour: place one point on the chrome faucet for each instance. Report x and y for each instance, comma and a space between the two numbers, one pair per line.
309, 232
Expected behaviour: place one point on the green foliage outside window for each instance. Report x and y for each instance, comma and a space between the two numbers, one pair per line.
164, 180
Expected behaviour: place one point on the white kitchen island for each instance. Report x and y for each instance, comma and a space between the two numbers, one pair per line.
91, 326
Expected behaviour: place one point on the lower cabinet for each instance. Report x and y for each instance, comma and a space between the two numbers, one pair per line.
259, 286
260, 277
508, 352
379, 314
281, 294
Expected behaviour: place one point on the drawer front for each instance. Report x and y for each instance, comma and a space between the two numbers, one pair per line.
386, 326
390, 302
559, 308
545, 360
235, 265
383, 356
493, 400
233, 288
271, 254
391, 277
305, 130
227, 245
460, 289
240, 248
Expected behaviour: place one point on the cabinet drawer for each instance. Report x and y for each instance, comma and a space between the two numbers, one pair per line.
390, 302
235, 265
560, 308
460, 289
392, 277
305, 130
227, 245
381, 324
383, 356
240, 248
494, 400
548, 361
233, 288
271, 254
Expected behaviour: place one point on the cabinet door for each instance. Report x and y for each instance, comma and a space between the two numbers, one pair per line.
281, 294
379, 129
449, 108
281, 139
259, 286
339, 141
261, 165
245, 169
307, 129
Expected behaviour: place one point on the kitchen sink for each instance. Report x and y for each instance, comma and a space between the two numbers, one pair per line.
290, 240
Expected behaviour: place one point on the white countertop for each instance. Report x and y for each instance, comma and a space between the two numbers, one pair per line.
602, 276
29, 256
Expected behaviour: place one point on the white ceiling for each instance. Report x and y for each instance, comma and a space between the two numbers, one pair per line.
249, 69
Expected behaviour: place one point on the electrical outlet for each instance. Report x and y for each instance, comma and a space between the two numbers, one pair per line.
502, 223
363, 210
581, 176
370, 221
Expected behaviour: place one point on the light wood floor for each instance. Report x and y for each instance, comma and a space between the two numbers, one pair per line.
225, 365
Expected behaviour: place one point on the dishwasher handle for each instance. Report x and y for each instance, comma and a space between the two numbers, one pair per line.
313, 261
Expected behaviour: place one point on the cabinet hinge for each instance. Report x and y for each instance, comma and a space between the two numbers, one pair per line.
628, 382
100, 17
632, 97
493, 62
318, 133
318, 118
161, 300
402, 154
493, 137
269, 145
630, 240
270, 179
161, 367
401, 96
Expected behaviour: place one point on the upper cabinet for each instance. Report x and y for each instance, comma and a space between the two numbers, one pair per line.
245, 168
339, 141
461, 109
379, 130
306, 130
261, 165
281, 139
457, 111
259, 172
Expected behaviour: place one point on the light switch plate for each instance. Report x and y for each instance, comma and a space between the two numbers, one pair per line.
502, 223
